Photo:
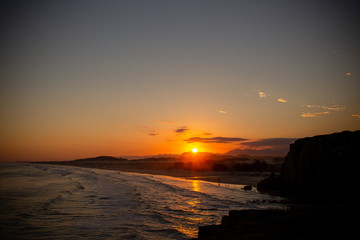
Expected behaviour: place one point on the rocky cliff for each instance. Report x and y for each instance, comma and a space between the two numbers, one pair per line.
316, 168
322, 164
319, 165
329, 222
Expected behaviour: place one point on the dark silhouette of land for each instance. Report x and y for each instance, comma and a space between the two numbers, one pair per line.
319, 177
299, 223
244, 169
317, 167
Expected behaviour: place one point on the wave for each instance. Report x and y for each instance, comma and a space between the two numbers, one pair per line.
105, 204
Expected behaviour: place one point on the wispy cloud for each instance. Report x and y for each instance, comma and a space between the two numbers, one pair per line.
150, 131
153, 134
269, 142
267, 146
356, 116
319, 110
223, 111
282, 100
336, 107
215, 139
263, 94
314, 114
182, 130
314, 106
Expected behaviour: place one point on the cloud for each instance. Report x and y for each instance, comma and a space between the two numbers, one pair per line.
223, 111
269, 142
322, 110
267, 146
282, 100
153, 134
214, 140
356, 116
314, 114
336, 107
150, 131
260, 152
263, 94
314, 106
182, 130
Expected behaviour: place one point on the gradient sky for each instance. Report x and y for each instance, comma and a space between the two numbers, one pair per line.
87, 78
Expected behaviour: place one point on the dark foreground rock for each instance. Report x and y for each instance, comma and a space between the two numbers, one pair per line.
320, 174
299, 223
321, 166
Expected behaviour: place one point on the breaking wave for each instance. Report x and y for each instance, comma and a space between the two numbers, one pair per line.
41, 201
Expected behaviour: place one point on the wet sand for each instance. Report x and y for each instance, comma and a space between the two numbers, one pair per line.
163, 168
211, 176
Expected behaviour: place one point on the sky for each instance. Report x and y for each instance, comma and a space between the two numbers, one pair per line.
122, 78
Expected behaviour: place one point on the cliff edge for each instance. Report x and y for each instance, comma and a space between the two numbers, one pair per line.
319, 166
331, 222
321, 170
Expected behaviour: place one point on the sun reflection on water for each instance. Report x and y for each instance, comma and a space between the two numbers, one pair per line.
195, 185
189, 231
192, 207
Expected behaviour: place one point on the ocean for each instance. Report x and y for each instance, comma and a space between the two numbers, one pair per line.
39, 201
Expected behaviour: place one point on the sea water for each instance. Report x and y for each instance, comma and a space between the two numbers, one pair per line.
39, 201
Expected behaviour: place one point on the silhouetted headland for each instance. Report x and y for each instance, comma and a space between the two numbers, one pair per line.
319, 173
317, 167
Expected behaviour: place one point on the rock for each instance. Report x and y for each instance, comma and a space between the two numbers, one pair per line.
319, 166
247, 187
313, 222
322, 163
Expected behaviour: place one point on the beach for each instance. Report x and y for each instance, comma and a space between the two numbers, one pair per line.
159, 167
43, 201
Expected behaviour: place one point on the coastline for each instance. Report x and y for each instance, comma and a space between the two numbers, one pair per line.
228, 177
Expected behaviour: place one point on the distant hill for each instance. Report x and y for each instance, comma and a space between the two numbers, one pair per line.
150, 156
101, 158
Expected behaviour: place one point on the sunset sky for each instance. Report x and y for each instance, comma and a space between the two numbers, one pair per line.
87, 78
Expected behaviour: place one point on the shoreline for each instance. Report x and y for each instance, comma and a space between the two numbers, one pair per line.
228, 177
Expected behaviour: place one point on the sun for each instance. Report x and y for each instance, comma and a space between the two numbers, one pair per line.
194, 150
